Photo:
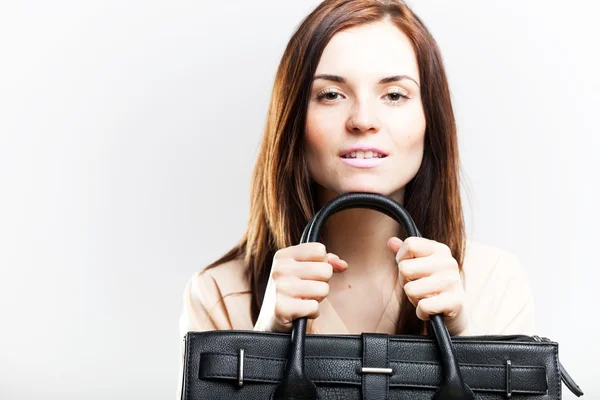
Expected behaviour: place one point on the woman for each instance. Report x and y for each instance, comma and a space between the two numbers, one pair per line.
360, 104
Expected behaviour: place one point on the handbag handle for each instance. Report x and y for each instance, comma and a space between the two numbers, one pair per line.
295, 384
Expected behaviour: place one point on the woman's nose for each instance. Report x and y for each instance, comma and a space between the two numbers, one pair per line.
363, 118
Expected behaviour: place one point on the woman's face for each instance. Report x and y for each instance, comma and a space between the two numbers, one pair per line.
365, 132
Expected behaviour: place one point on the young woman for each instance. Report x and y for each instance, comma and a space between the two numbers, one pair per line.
360, 104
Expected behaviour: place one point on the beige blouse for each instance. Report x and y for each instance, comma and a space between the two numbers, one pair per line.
498, 299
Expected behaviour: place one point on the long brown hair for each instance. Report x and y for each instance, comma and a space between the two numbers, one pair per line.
282, 196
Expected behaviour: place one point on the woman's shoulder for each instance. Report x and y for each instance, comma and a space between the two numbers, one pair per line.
484, 263
497, 291
216, 298
221, 280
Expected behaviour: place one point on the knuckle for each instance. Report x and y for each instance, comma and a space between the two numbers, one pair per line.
410, 242
318, 290
327, 271
277, 271
323, 289
304, 309
319, 249
281, 312
281, 254
312, 308
280, 270
404, 267
284, 287
425, 306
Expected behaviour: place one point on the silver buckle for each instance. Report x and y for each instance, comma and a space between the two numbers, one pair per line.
241, 368
508, 393
370, 370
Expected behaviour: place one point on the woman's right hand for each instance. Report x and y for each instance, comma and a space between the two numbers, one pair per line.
297, 284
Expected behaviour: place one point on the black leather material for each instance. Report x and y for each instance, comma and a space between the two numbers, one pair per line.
346, 371
375, 386
453, 386
333, 363
296, 386
297, 366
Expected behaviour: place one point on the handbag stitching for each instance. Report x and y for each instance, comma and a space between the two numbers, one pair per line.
257, 379
478, 388
423, 386
246, 356
473, 365
387, 361
398, 361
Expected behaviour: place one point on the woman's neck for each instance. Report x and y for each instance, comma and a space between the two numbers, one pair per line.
359, 236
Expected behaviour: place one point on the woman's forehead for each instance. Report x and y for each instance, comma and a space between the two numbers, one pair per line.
369, 51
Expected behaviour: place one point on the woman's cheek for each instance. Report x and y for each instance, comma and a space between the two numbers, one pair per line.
317, 143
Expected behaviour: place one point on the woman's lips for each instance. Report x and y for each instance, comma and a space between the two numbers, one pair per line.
363, 162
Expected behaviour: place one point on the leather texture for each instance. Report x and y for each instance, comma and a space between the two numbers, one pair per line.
375, 386
370, 366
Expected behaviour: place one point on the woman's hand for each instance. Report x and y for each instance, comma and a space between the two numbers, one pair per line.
431, 281
299, 281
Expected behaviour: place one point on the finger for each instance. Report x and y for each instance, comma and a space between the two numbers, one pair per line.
303, 289
289, 309
416, 268
394, 244
414, 247
313, 251
337, 263
312, 271
444, 303
428, 287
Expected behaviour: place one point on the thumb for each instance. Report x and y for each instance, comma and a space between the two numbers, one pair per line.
394, 244
336, 262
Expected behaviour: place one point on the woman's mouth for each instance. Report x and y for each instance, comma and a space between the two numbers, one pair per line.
366, 159
364, 155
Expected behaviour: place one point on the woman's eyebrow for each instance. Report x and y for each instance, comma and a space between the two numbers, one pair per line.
339, 79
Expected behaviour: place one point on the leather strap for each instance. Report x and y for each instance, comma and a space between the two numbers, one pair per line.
375, 385
425, 375
295, 384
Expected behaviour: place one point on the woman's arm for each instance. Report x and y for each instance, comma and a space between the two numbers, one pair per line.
195, 315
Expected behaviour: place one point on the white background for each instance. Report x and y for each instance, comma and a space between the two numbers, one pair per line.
128, 131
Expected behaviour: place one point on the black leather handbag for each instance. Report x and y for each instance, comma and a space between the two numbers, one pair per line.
252, 365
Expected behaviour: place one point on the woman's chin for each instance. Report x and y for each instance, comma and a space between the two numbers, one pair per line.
366, 188
326, 194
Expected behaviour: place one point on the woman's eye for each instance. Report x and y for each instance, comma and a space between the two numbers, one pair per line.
396, 97
328, 95
332, 95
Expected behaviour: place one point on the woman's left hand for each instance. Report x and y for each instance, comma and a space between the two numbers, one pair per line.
431, 281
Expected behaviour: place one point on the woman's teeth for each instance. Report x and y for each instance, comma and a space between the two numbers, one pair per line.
363, 154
